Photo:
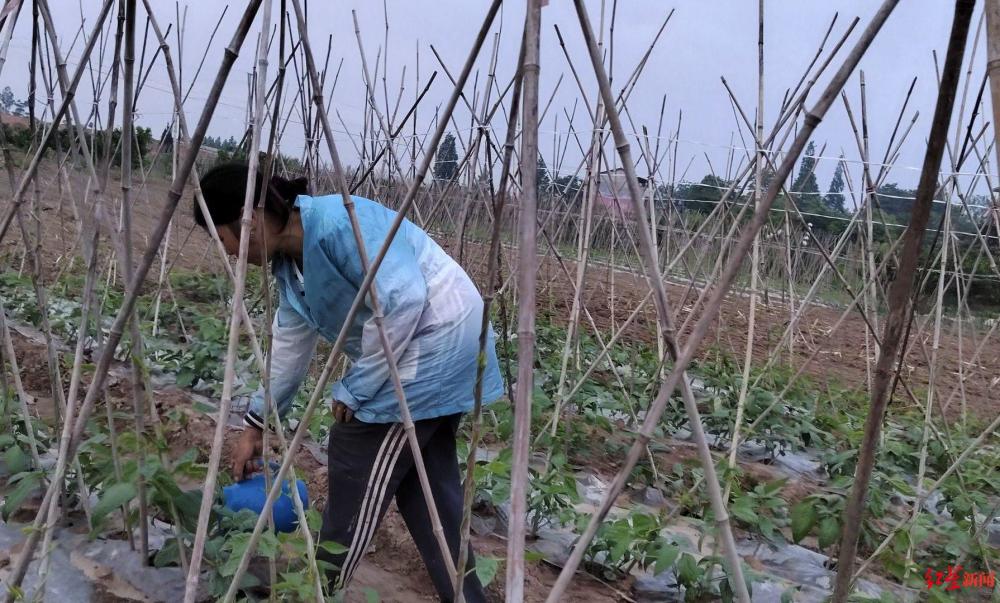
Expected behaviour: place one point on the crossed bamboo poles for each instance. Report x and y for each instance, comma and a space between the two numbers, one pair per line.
643, 248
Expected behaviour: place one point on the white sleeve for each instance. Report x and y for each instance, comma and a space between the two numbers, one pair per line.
293, 342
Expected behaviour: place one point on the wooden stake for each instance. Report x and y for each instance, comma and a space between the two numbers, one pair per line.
527, 275
229, 374
900, 294
491, 288
992, 10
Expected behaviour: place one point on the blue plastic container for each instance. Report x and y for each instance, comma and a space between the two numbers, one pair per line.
251, 494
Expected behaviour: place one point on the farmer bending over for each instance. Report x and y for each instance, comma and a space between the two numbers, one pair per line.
432, 317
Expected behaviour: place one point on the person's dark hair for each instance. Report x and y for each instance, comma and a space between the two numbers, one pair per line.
224, 187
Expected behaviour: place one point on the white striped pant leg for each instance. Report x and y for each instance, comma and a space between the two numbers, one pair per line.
363, 459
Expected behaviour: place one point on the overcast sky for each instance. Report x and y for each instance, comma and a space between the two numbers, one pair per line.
702, 42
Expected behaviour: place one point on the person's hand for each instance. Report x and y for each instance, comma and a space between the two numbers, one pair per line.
248, 447
342, 412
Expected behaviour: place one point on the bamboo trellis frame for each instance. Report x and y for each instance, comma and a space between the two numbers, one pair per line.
660, 246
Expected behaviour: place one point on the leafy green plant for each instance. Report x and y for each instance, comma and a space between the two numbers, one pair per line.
493, 477
791, 423
761, 509
706, 579
679, 485
15, 459
820, 514
22, 484
201, 287
201, 359
631, 540
486, 569
552, 496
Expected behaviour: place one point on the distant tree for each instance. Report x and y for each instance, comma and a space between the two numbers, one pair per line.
229, 150
446, 163
569, 187
896, 201
543, 182
835, 194
710, 189
21, 108
704, 195
805, 183
894, 204
230, 145
17, 136
144, 140
167, 140
766, 176
7, 100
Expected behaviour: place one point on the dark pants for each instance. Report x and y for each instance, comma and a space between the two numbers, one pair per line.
369, 463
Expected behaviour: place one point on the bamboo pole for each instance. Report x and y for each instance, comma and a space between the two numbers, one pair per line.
491, 288
992, 10
932, 369
90, 253
269, 408
900, 294
6, 32
871, 300
473, 152
105, 170
755, 254
583, 244
272, 411
229, 374
527, 275
138, 390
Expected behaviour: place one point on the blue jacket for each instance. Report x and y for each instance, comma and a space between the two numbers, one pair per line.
432, 317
